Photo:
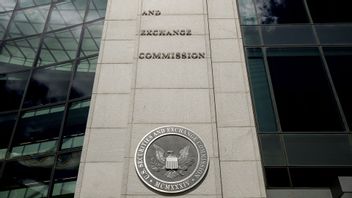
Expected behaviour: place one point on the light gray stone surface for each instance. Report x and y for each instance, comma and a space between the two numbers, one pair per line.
132, 96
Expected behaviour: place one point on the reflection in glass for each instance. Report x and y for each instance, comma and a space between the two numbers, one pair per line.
272, 151
281, 11
247, 12
282, 34
334, 34
277, 177
12, 86
7, 123
28, 22
84, 77
340, 65
27, 177
60, 46
18, 53
37, 129
7, 5
92, 37
67, 13
4, 20
48, 85
97, 9
328, 12
319, 149
260, 89
30, 3
251, 35
302, 91
66, 173
75, 125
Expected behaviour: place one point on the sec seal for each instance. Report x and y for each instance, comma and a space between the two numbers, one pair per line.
171, 159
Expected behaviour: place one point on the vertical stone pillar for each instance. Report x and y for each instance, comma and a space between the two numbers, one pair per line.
103, 157
241, 170
135, 93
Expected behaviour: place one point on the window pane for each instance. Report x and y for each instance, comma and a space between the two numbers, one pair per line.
37, 130
277, 177
48, 85
7, 5
330, 12
67, 13
75, 125
319, 149
285, 11
272, 151
260, 89
92, 38
30, 3
4, 20
12, 86
302, 91
27, 177
28, 22
334, 34
66, 174
288, 34
7, 123
83, 81
60, 46
247, 12
19, 54
340, 65
97, 9
317, 176
251, 35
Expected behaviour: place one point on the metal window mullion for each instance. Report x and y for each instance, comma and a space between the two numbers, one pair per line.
7, 156
7, 30
73, 70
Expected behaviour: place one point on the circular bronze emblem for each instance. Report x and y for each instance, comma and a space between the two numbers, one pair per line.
171, 159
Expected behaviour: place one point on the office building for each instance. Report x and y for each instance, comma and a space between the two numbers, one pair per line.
264, 84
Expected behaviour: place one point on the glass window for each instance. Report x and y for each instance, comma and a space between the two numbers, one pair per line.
66, 174
247, 12
334, 34
19, 54
27, 177
75, 125
318, 149
251, 35
7, 122
302, 91
272, 150
30, 3
12, 86
340, 65
324, 11
277, 177
38, 131
97, 9
49, 85
67, 13
284, 11
28, 22
317, 176
84, 78
4, 20
60, 46
7, 5
260, 89
92, 38
283, 34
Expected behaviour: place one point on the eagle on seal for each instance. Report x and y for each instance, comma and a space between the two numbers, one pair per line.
175, 165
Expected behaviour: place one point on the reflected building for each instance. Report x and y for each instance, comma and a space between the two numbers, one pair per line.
82, 81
